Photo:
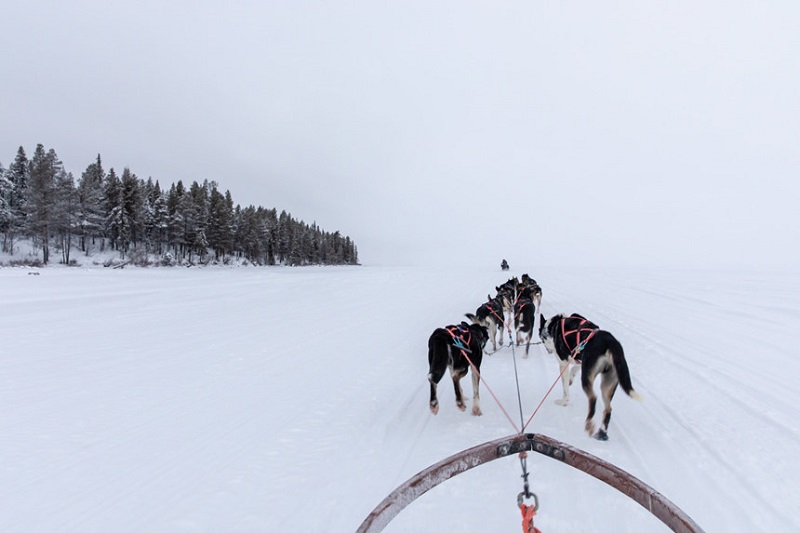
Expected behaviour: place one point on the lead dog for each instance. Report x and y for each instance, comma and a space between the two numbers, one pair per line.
449, 348
597, 352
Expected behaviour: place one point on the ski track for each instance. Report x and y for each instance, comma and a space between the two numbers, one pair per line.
233, 399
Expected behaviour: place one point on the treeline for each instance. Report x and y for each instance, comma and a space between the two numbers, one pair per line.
40, 201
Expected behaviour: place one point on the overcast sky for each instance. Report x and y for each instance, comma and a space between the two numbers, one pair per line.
545, 132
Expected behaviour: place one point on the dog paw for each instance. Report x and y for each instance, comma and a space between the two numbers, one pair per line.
563, 402
435, 408
476, 411
461, 406
601, 435
590, 427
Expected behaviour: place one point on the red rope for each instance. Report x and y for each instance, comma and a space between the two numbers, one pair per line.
548, 393
528, 512
480, 377
575, 353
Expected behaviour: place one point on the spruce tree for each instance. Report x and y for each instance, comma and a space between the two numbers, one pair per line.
16, 201
44, 167
131, 203
65, 214
91, 208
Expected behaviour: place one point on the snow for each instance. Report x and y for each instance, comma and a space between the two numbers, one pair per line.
295, 399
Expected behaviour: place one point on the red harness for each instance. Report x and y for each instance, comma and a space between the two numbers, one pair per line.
584, 331
462, 339
521, 306
490, 306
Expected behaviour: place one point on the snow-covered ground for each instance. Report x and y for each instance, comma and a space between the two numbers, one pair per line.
295, 399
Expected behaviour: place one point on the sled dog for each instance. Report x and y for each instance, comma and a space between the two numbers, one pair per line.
491, 316
454, 347
524, 316
596, 351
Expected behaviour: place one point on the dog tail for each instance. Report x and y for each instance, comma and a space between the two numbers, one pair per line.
438, 356
621, 366
473, 318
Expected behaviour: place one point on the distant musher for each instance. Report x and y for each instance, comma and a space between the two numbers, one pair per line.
504, 265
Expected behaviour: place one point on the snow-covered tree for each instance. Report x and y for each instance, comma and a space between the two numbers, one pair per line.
44, 167
65, 213
91, 207
16, 200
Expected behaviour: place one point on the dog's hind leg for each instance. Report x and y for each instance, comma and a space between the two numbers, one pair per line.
434, 402
608, 386
590, 414
434, 377
587, 380
476, 398
437, 364
457, 375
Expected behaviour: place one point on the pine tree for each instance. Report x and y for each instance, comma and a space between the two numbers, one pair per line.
161, 219
113, 199
91, 208
220, 222
131, 203
44, 167
177, 230
198, 217
6, 190
65, 214
17, 199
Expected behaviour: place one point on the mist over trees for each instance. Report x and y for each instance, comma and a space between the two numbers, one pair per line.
196, 223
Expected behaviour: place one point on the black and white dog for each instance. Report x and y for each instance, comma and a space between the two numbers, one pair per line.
454, 347
597, 352
508, 291
536, 290
491, 315
524, 316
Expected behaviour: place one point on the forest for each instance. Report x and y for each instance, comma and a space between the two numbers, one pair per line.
40, 202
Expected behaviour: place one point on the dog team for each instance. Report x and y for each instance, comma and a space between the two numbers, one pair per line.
577, 342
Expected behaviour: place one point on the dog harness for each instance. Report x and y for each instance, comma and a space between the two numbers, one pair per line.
583, 331
522, 303
490, 306
462, 337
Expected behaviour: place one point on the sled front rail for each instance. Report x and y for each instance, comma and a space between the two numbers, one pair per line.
655, 502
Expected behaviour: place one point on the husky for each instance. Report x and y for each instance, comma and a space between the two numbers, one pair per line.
491, 315
536, 291
508, 291
524, 316
455, 347
575, 339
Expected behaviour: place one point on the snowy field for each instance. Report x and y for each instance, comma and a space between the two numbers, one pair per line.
295, 399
